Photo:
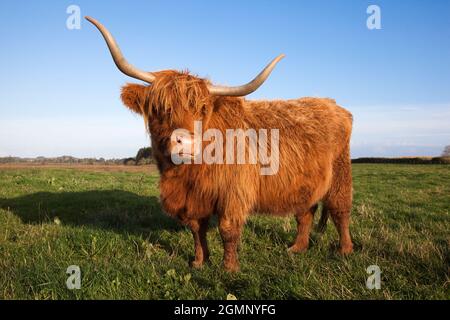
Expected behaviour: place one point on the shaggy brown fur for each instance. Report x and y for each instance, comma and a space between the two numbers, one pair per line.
314, 161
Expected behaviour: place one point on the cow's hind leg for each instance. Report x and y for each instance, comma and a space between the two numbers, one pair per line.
304, 222
199, 229
341, 219
339, 201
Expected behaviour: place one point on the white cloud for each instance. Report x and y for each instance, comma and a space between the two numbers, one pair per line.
401, 130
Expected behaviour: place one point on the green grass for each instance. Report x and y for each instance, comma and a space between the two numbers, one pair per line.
111, 225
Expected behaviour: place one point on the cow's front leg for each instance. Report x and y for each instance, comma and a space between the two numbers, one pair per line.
199, 229
230, 232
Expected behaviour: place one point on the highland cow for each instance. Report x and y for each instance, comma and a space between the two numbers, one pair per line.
314, 155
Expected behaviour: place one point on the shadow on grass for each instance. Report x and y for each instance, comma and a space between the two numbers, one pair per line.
117, 210
122, 212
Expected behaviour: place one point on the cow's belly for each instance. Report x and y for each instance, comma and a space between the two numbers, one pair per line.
297, 194
283, 204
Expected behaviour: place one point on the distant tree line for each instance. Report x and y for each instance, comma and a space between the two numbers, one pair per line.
143, 156
405, 160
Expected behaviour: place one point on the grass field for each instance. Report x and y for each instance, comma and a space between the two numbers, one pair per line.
111, 225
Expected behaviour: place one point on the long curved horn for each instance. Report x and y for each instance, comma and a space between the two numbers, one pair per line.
246, 88
118, 57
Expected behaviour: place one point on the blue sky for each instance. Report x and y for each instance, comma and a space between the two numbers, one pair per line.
60, 89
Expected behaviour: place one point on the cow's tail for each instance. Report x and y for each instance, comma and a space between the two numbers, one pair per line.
322, 225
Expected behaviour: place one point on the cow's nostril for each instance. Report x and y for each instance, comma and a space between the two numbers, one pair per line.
179, 140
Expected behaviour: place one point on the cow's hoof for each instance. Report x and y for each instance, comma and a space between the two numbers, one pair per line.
196, 264
345, 250
231, 267
297, 249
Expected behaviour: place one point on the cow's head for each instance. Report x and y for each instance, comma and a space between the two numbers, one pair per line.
173, 100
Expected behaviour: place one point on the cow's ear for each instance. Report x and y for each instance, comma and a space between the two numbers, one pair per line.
133, 96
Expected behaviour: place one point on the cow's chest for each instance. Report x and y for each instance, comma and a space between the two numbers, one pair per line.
184, 199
